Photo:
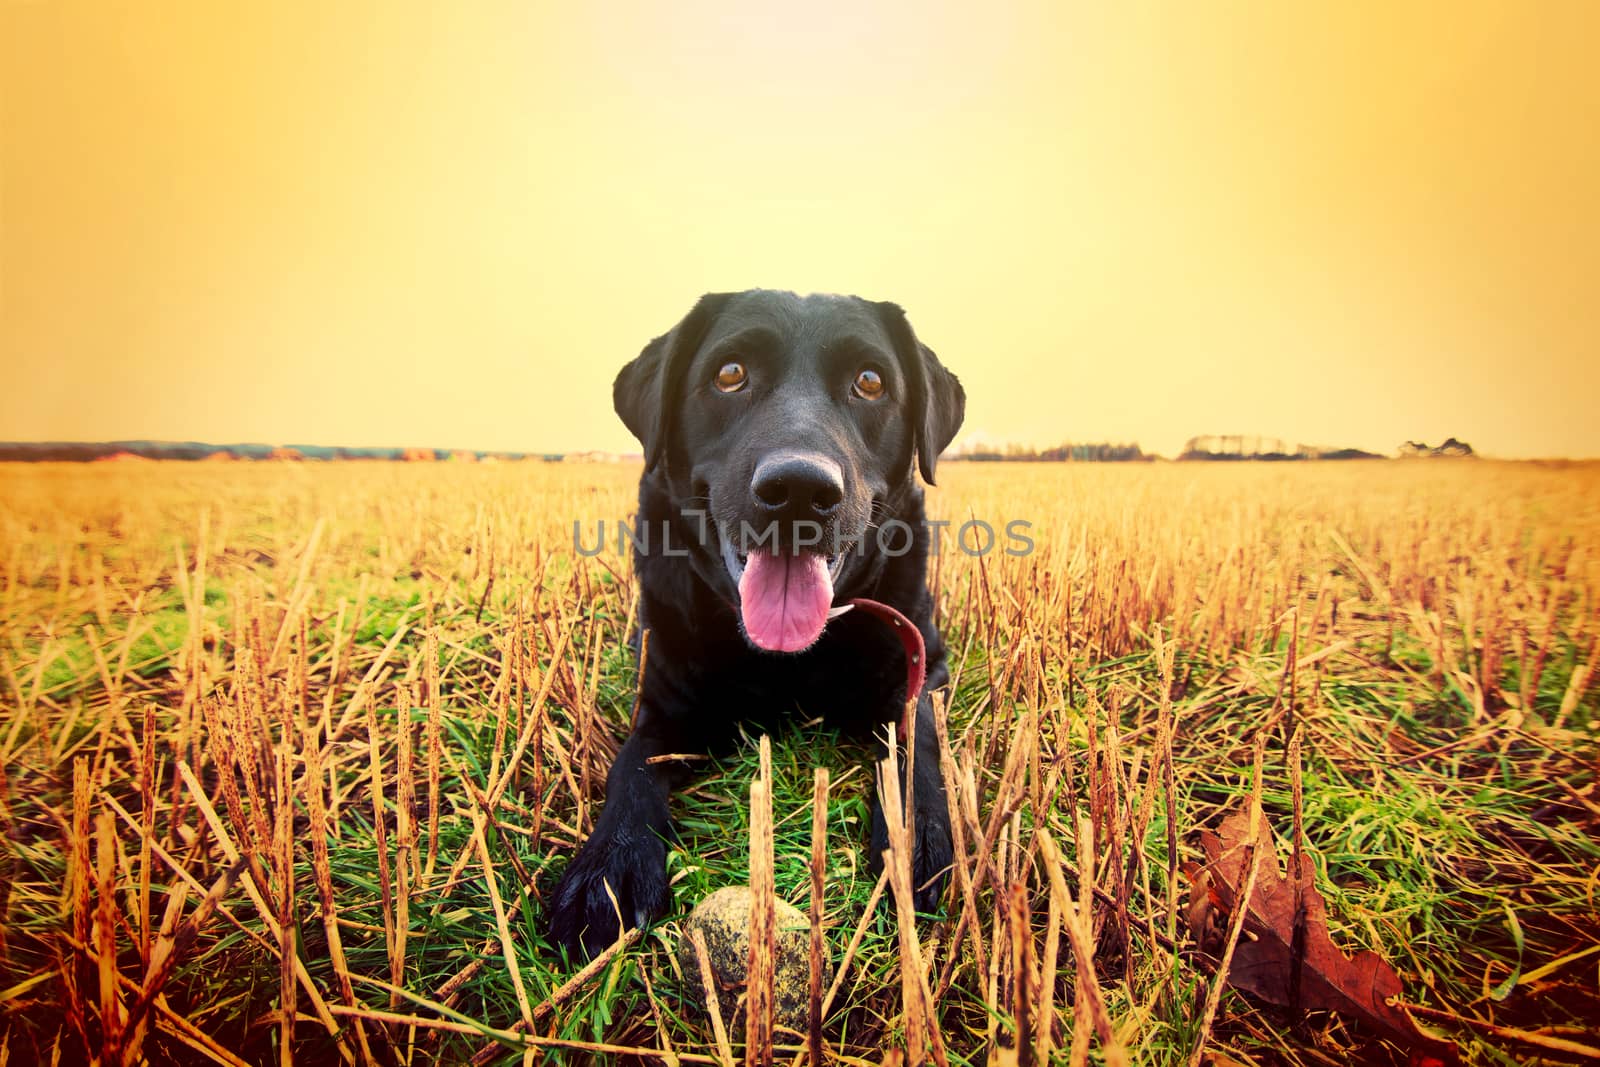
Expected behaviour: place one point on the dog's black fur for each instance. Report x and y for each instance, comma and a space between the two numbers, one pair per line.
702, 447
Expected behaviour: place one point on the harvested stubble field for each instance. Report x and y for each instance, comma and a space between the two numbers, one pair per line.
291, 751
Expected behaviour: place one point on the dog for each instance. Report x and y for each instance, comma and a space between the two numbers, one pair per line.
782, 437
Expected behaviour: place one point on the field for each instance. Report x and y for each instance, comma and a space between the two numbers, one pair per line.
291, 752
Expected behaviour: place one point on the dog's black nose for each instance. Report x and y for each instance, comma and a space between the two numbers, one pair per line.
793, 485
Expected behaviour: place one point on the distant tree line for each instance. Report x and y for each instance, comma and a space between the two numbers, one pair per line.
1068, 453
1451, 447
87, 451
1233, 447
1227, 447
1205, 447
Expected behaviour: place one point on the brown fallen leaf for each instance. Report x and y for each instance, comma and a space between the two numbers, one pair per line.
1322, 978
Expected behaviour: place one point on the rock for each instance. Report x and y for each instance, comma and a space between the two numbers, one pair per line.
724, 919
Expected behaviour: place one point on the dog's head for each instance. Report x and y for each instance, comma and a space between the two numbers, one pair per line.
788, 421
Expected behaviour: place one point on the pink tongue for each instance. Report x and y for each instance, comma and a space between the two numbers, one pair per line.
785, 600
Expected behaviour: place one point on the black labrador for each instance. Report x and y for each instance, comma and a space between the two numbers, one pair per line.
780, 434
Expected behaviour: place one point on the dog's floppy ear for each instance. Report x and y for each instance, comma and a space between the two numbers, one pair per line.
937, 399
646, 391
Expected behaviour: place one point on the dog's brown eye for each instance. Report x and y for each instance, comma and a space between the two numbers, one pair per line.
731, 378
869, 385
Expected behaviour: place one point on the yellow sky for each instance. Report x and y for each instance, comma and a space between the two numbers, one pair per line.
371, 224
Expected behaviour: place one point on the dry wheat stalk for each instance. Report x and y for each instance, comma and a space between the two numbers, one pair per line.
762, 963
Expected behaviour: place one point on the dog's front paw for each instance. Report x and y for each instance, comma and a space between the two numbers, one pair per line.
931, 856
930, 865
634, 868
